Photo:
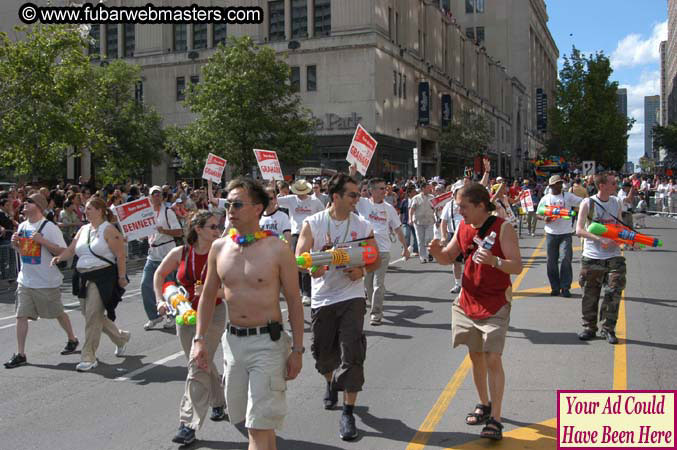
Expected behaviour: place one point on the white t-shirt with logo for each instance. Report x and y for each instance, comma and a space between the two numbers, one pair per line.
335, 286
36, 272
277, 222
593, 249
161, 244
299, 209
451, 213
565, 200
382, 217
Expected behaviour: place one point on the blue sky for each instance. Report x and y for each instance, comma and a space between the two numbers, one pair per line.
629, 31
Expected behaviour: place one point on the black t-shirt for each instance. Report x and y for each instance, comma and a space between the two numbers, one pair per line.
8, 225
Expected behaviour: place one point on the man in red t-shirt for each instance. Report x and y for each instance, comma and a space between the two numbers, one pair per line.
481, 313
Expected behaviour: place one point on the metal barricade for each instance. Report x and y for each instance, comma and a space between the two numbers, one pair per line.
9, 263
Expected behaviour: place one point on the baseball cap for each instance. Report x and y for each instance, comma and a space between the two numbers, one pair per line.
154, 189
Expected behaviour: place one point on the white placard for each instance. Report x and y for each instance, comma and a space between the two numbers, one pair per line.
361, 150
526, 201
588, 168
136, 218
269, 165
214, 168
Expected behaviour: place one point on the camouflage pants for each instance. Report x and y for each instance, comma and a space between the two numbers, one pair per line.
594, 274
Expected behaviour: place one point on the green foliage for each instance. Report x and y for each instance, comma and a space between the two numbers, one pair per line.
467, 135
585, 123
648, 165
243, 101
665, 137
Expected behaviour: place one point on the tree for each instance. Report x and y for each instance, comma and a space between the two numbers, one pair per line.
648, 165
243, 101
665, 137
585, 123
468, 135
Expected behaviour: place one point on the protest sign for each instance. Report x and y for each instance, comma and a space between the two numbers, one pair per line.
214, 168
269, 165
526, 201
136, 218
361, 150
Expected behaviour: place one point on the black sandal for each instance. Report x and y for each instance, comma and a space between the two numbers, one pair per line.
480, 418
493, 430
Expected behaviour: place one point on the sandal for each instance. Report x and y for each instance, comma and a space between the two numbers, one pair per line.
493, 430
475, 418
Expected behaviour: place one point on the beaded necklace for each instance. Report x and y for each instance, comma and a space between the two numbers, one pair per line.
250, 238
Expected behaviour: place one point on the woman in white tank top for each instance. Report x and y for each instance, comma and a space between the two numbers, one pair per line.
102, 271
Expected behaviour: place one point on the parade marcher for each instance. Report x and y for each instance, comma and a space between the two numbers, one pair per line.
532, 219
38, 291
640, 217
338, 303
671, 194
422, 216
559, 234
409, 232
203, 387
300, 205
451, 219
602, 262
383, 219
102, 277
160, 244
274, 219
317, 192
481, 313
627, 197
253, 267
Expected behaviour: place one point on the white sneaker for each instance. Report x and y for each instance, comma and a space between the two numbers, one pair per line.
456, 289
169, 322
306, 300
120, 349
86, 366
151, 323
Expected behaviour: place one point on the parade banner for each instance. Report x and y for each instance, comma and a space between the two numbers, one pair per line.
526, 201
424, 103
214, 168
136, 219
441, 200
588, 168
361, 150
269, 165
447, 111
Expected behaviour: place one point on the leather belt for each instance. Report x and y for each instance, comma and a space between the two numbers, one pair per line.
242, 332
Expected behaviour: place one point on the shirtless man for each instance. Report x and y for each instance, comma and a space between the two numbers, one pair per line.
258, 358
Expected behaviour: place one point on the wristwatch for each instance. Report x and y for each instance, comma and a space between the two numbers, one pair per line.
300, 350
199, 337
499, 263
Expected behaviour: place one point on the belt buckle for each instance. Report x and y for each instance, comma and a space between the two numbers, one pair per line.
252, 331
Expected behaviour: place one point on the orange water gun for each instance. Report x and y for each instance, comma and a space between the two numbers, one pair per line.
556, 212
360, 255
623, 235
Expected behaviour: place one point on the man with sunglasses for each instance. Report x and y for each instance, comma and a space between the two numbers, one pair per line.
160, 244
338, 304
260, 356
274, 219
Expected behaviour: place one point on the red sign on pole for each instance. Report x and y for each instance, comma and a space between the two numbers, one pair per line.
361, 150
269, 165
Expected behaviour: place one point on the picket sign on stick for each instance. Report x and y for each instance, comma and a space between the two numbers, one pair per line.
269, 165
136, 218
214, 168
361, 150
526, 200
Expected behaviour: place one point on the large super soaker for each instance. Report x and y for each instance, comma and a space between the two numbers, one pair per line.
623, 235
177, 299
360, 255
556, 212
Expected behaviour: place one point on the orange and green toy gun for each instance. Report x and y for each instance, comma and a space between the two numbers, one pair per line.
556, 212
623, 235
177, 299
361, 255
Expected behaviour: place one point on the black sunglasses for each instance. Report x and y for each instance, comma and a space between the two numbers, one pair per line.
29, 200
237, 204
212, 227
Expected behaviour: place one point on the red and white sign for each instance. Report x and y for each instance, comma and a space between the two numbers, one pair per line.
214, 168
441, 200
361, 150
269, 165
526, 201
137, 218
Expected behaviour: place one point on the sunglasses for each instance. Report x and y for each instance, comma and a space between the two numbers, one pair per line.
237, 204
211, 227
29, 200
353, 194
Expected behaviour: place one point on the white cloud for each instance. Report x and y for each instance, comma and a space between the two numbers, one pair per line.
649, 84
632, 50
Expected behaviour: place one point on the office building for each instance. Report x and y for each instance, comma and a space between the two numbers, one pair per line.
651, 113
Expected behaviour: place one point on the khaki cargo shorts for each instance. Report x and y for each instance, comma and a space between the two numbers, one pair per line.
485, 335
38, 302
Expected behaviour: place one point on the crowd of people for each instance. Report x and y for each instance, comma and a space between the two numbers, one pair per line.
234, 283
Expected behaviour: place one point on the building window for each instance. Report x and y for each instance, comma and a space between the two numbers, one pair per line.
479, 6
180, 37
295, 79
390, 23
220, 34
322, 17
138, 91
404, 86
130, 40
470, 33
445, 5
194, 79
299, 19
199, 35
469, 6
311, 78
397, 28
395, 83
276, 20
111, 41
180, 88
399, 76
479, 35
95, 40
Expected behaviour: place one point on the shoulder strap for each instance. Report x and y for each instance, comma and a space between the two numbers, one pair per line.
484, 229
42, 225
89, 246
614, 217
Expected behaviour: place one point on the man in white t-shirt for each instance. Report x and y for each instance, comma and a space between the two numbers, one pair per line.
626, 195
338, 304
274, 219
300, 205
38, 291
601, 263
558, 233
422, 216
383, 219
451, 219
160, 244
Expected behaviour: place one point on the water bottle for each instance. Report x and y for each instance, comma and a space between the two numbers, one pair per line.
487, 243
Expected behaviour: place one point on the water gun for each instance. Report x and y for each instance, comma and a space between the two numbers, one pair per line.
176, 298
623, 235
360, 255
556, 212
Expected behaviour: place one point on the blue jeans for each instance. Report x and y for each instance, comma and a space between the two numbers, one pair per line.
147, 291
559, 273
409, 236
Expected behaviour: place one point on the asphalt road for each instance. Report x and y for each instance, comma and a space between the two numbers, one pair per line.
418, 389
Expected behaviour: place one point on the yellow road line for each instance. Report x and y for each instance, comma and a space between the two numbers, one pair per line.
442, 404
621, 350
536, 436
